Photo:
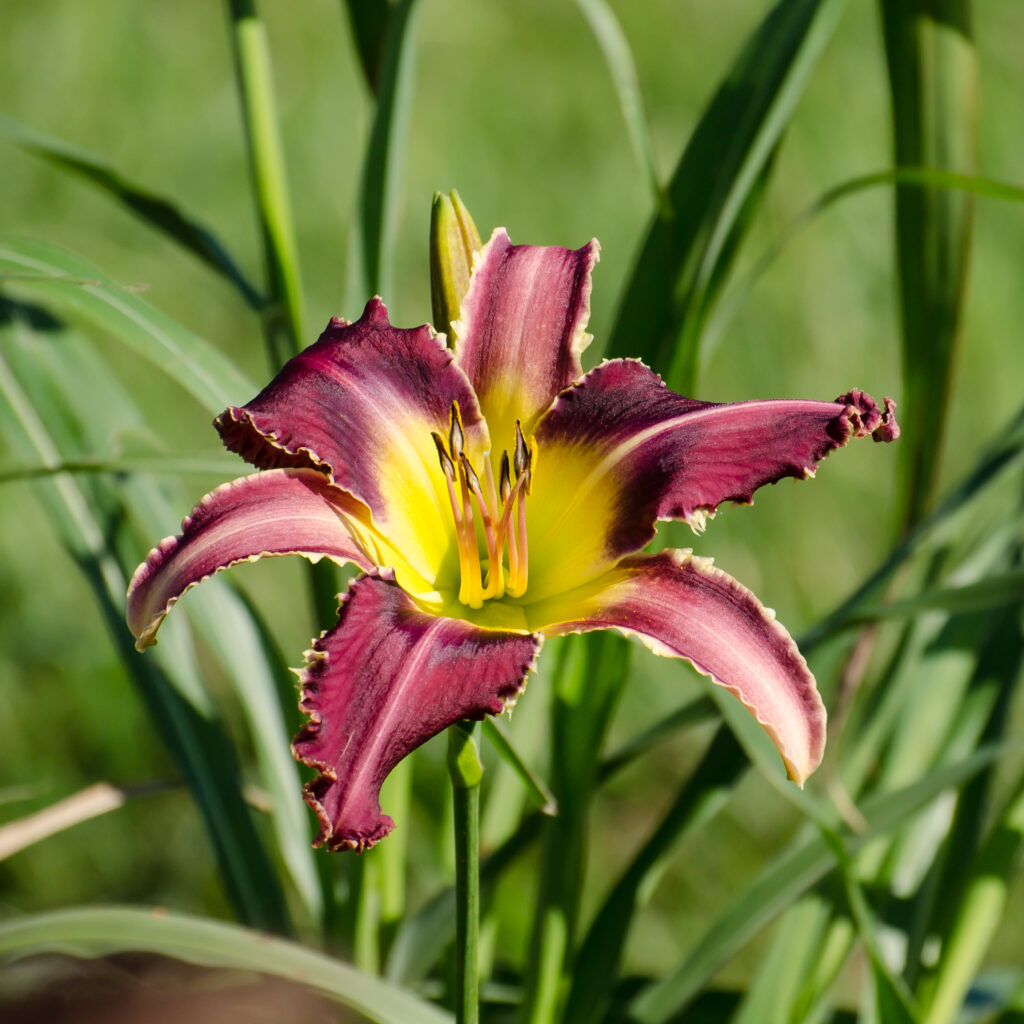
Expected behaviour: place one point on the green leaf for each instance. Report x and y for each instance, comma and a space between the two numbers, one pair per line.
791, 875
535, 786
76, 286
933, 81
722, 165
266, 159
156, 464
103, 931
369, 20
615, 47
154, 210
382, 165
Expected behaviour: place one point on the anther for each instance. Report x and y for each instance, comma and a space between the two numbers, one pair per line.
456, 436
447, 466
505, 480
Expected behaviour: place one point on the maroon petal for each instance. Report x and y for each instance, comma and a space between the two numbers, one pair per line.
281, 512
684, 607
384, 680
362, 403
620, 441
522, 327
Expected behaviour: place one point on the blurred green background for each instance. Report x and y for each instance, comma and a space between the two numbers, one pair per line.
514, 107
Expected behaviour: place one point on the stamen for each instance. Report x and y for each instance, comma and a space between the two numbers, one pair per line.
456, 435
462, 538
471, 589
495, 578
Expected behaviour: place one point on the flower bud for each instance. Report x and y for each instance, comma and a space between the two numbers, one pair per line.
453, 242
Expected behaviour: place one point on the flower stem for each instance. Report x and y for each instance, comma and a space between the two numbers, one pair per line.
466, 772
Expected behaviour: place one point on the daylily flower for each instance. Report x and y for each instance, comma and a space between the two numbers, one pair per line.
493, 495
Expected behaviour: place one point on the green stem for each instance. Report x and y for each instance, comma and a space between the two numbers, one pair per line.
266, 157
466, 772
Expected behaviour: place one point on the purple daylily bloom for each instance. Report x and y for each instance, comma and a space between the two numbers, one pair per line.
494, 495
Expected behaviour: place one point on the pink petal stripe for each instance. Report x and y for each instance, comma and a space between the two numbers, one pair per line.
670, 457
385, 679
280, 512
346, 401
684, 607
522, 327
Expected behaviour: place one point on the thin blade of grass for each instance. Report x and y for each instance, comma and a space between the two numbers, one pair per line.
154, 210
156, 464
619, 58
369, 21
536, 788
933, 82
922, 177
103, 931
718, 171
199, 368
382, 166
267, 163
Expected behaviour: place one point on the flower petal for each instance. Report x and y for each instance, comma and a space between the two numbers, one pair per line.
362, 403
682, 606
281, 512
384, 680
622, 450
522, 327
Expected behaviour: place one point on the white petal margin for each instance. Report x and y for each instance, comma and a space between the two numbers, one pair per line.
682, 606
277, 512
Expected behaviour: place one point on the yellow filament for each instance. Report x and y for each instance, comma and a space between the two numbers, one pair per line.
471, 589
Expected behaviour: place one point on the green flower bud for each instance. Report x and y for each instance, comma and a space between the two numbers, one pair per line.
454, 240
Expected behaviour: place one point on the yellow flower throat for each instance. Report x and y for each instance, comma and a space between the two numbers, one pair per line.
503, 524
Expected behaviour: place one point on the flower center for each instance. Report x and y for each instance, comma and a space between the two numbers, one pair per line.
478, 509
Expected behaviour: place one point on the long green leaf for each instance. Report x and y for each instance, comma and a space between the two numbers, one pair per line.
619, 58
382, 164
266, 160
792, 874
369, 20
933, 81
535, 786
921, 177
154, 210
102, 931
74, 285
719, 169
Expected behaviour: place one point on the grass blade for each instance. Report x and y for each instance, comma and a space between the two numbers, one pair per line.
76, 286
266, 159
383, 162
154, 210
369, 20
535, 786
720, 168
102, 931
615, 47
933, 82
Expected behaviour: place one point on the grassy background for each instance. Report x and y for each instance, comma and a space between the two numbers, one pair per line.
514, 107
